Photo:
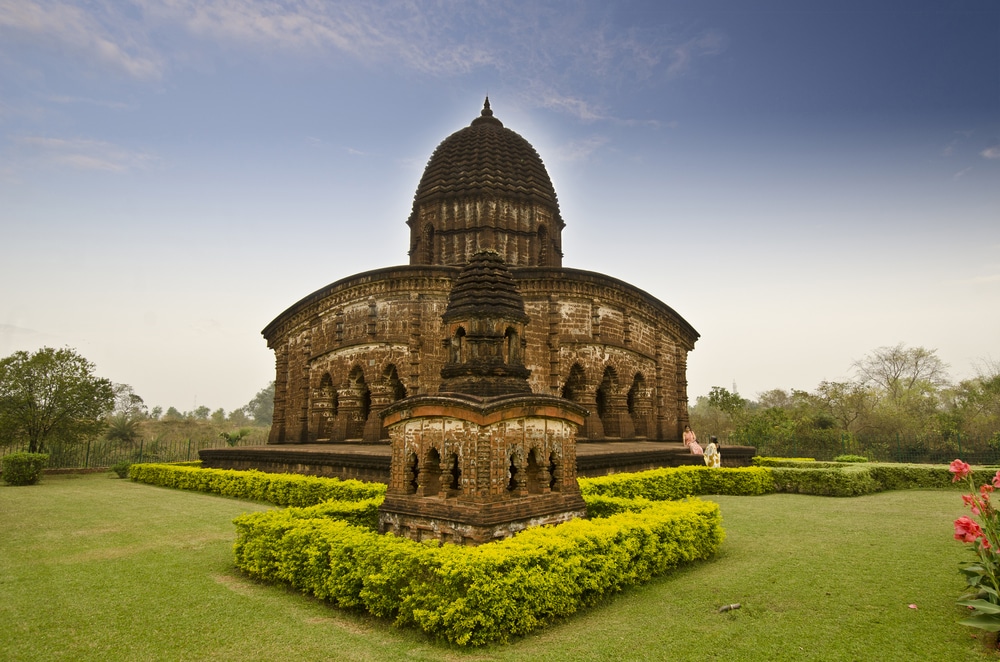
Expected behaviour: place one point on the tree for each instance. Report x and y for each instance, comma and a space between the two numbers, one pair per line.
233, 438
900, 371
849, 403
51, 395
123, 429
261, 408
128, 403
238, 417
732, 404
219, 415
906, 382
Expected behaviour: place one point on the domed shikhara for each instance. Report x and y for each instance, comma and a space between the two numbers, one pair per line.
485, 287
485, 322
485, 187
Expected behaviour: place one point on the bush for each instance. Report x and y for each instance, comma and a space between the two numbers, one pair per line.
838, 482
850, 458
23, 468
762, 461
279, 489
477, 595
681, 482
121, 469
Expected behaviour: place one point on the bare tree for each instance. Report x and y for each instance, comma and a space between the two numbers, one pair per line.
901, 371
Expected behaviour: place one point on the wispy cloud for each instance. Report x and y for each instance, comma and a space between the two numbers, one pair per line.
580, 150
991, 152
562, 45
571, 105
961, 173
82, 154
681, 56
94, 31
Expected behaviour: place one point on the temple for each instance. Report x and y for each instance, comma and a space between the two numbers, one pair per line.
349, 352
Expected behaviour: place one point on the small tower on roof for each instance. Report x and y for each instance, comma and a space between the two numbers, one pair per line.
485, 457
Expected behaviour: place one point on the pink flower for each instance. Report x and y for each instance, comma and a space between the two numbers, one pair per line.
972, 502
967, 530
996, 480
960, 469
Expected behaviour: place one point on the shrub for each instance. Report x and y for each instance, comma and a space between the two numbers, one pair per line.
922, 476
121, 469
840, 482
761, 461
850, 458
279, 489
476, 595
23, 468
681, 482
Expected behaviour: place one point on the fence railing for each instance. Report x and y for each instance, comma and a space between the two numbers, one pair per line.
923, 449
101, 453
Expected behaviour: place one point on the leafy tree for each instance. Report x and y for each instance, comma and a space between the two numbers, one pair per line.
731, 403
219, 416
261, 408
123, 429
238, 417
201, 413
124, 422
51, 395
173, 415
128, 403
850, 404
156, 412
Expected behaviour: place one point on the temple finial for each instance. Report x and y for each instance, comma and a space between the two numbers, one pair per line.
486, 108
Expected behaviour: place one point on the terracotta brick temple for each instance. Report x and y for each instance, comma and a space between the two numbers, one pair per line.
346, 354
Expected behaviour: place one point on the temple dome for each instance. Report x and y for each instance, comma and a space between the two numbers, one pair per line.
485, 187
486, 159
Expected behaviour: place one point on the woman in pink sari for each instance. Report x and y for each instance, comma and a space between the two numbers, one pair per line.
691, 441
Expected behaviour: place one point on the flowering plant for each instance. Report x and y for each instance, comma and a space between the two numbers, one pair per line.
982, 575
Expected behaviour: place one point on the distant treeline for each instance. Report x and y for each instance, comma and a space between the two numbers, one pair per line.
900, 404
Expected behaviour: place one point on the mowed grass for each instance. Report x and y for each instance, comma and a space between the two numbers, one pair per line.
97, 568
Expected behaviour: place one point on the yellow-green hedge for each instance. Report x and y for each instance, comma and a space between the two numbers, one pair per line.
477, 595
681, 482
279, 489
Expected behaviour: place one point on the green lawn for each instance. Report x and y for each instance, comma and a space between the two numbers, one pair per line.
97, 568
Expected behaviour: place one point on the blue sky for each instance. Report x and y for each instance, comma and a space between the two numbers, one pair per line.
802, 181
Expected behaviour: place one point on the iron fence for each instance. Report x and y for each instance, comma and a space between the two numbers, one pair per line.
101, 453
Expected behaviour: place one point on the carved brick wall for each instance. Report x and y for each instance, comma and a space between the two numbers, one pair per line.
384, 328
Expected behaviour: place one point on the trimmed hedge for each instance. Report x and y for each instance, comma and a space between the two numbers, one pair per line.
763, 461
23, 468
680, 482
279, 489
839, 481
477, 595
